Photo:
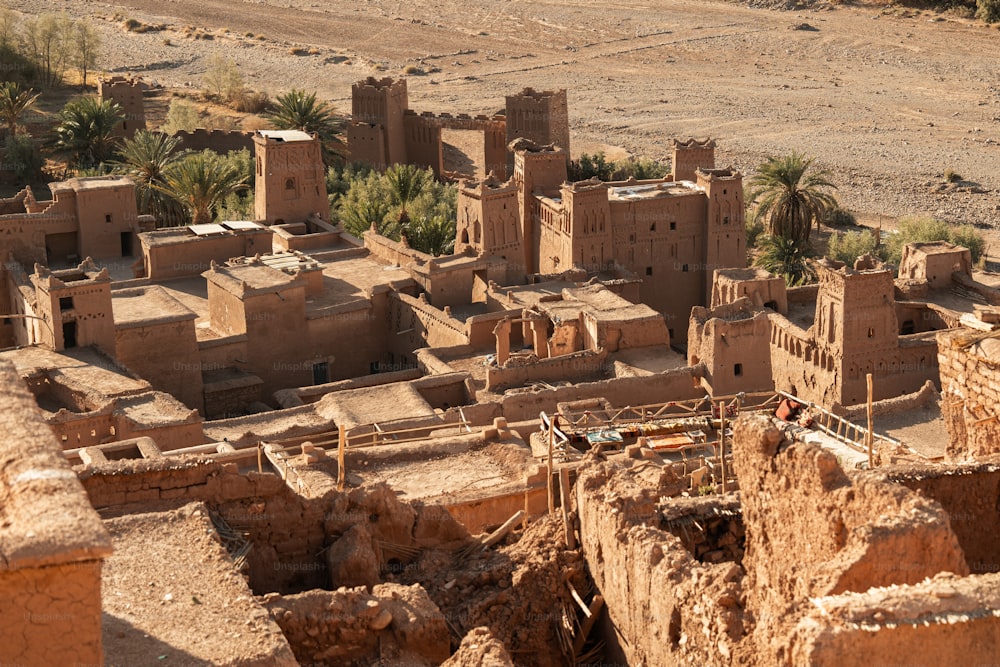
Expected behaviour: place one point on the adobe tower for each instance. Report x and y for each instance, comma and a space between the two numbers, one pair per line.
291, 180
127, 93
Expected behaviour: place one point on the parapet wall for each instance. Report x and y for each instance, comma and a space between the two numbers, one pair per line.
969, 365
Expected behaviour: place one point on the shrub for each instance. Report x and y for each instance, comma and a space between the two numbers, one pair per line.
848, 247
838, 217
248, 101
180, 116
988, 11
21, 156
951, 176
754, 226
924, 230
412, 69
222, 78
967, 236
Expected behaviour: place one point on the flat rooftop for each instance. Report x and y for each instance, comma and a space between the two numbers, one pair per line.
641, 191
172, 596
81, 369
370, 405
143, 306
286, 135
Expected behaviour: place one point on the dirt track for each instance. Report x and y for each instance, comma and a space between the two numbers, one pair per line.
887, 99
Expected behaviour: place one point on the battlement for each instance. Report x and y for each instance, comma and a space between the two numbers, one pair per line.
119, 81
694, 144
721, 174
372, 84
220, 141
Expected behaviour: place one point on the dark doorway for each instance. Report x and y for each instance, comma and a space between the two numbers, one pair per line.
69, 334
321, 373
126, 244
908, 327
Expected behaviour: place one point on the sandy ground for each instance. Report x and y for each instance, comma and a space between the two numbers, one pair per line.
888, 98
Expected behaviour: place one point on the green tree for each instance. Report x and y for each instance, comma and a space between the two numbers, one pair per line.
589, 166
85, 130
790, 197
14, 102
988, 11
145, 157
22, 157
406, 182
787, 258
88, 45
927, 230
222, 78
200, 182
848, 247
367, 203
298, 110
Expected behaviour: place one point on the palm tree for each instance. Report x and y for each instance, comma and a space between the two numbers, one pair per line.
789, 198
406, 182
145, 157
298, 110
434, 235
787, 258
85, 130
14, 101
200, 182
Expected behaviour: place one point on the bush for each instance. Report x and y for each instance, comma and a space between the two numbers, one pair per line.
754, 226
248, 101
21, 157
951, 176
848, 247
181, 116
988, 11
838, 217
222, 78
925, 230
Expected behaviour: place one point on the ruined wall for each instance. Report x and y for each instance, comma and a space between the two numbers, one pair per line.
228, 393
414, 324
862, 532
727, 339
352, 339
667, 608
570, 367
970, 393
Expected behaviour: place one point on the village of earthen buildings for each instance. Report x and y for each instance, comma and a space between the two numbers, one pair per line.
591, 435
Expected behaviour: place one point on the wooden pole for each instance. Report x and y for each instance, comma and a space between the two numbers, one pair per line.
568, 528
342, 442
588, 624
870, 436
260, 463
552, 437
722, 442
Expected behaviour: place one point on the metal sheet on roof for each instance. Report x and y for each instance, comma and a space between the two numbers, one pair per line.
204, 230
242, 224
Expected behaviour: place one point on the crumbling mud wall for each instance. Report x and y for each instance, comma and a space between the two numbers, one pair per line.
391, 625
969, 364
812, 531
970, 494
668, 607
946, 620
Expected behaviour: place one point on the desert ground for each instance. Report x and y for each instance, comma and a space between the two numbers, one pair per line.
887, 98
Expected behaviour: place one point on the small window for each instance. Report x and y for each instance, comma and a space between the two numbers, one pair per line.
649, 270
871, 332
6, 320
725, 220
652, 227
684, 268
670, 332
673, 225
737, 369
290, 184
107, 217
66, 303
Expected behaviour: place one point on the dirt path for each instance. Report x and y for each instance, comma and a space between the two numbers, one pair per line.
888, 99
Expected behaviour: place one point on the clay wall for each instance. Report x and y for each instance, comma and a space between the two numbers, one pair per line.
423, 143
762, 288
689, 156
934, 263
728, 340
126, 92
297, 236
969, 494
366, 144
174, 254
415, 324
862, 532
52, 547
104, 215
574, 366
176, 366
479, 329
52, 615
352, 339
674, 385
970, 393
725, 246
392, 252
382, 103
290, 185
227, 396
276, 328
487, 219
662, 241
540, 116
695, 604
218, 353
85, 301
220, 141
